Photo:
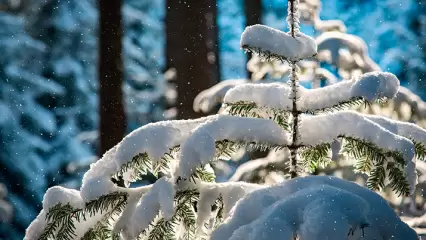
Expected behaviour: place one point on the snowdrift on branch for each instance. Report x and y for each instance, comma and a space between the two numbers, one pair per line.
368, 87
275, 43
200, 147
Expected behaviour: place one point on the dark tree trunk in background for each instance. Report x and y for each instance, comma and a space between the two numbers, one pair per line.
253, 12
111, 110
192, 49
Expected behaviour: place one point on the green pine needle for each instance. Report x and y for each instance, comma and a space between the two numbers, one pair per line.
315, 157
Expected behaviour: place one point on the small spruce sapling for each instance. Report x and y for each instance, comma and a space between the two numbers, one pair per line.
259, 116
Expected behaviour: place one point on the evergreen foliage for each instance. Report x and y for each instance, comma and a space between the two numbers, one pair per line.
188, 185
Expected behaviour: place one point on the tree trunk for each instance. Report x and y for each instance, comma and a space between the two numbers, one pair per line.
253, 11
192, 49
111, 110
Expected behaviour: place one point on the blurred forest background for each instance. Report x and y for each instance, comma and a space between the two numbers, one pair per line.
77, 75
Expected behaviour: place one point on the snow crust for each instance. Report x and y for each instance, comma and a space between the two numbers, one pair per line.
276, 42
200, 147
310, 207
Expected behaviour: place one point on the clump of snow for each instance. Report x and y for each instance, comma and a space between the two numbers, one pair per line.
93, 188
60, 195
315, 130
374, 85
310, 207
273, 95
156, 139
207, 99
201, 145
159, 197
35, 229
275, 42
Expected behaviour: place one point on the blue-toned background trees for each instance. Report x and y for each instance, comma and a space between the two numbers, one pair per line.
48, 79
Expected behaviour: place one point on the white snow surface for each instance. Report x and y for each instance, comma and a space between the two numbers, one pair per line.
374, 85
159, 197
405, 129
273, 95
207, 99
60, 195
35, 229
200, 147
272, 41
310, 207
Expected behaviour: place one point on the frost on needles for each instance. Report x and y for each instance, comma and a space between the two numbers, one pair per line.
186, 203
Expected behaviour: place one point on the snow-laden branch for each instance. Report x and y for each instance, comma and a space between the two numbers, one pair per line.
52, 197
313, 206
155, 139
369, 87
332, 42
405, 129
274, 43
138, 218
329, 25
71, 206
315, 130
206, 100
200, 147
417, 105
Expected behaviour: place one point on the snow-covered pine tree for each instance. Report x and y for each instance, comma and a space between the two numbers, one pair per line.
186, 203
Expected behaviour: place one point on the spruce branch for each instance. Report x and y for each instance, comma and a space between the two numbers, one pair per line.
250, 109
316, 157
397, 179
60, 218
371, 160
163, 229
420, 149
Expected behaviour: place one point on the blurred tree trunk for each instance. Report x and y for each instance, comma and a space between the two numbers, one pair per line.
253, 12
112, 117
192, 49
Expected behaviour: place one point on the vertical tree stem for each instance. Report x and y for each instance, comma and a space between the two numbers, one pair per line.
292, 20
295, 122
